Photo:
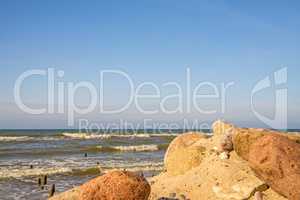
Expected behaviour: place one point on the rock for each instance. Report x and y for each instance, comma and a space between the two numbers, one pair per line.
183, 154
116, 185
276, 160
112, 186
243, 138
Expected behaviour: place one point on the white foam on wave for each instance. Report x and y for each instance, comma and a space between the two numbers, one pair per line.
138, 167
141, 135
150, 147
107, 136
21, 172
27, 138
14, 138
86, 136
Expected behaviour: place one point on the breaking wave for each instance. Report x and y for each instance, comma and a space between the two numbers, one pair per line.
21, 172
86, 136
107, 136
14, 138
134, 148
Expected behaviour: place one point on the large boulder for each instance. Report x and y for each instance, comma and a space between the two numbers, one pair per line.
276, 160
243, 138
115, 185
183, 153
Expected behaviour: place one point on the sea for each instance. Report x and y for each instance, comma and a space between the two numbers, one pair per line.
70, 158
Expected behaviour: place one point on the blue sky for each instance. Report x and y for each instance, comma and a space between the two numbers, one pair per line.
220, 41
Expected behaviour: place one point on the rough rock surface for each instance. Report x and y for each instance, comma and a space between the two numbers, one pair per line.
115, 185
184, 153
213, 179
276, 160
243, 138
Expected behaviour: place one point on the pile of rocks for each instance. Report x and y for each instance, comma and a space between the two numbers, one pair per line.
234, 164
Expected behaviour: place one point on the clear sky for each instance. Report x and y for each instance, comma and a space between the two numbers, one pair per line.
220, 41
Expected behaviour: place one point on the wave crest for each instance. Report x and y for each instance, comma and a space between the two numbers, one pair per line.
17, 173
107, 136
86, 136
14, 138
131, 148
150, 147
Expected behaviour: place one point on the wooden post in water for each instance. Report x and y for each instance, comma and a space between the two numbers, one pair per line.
44, 180
52, 190
39, 181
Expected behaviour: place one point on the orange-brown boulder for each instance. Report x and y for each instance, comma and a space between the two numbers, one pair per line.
243, 138
276, 160
116, 185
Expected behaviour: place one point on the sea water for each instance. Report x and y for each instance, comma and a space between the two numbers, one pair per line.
70, 158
